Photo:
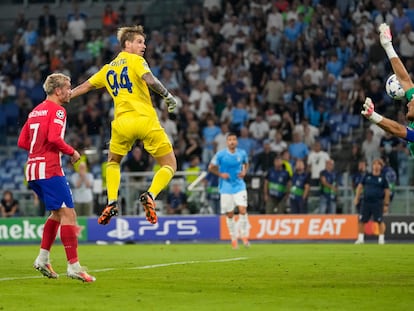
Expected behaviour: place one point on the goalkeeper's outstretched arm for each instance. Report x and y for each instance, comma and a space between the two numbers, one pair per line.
396, 63
388, 125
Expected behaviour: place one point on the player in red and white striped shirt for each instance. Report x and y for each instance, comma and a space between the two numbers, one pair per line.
43, 137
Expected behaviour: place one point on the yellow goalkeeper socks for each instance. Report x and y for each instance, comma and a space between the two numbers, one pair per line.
113, 179
161, 179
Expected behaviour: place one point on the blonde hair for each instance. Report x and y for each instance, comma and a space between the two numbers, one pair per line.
128, 33
54, 81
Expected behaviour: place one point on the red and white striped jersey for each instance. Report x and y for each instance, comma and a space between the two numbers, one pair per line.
43, 137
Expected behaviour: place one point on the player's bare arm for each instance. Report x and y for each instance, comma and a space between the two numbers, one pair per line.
306, 190
358, 192
81, 89
396, 63
215, 170
244, 170
368, 111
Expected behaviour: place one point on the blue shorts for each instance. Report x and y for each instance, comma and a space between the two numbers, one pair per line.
368, 210
54, 192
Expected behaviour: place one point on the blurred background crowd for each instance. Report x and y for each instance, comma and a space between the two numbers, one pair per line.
289, 77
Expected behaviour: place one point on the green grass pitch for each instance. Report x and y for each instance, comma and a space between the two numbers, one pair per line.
280, 276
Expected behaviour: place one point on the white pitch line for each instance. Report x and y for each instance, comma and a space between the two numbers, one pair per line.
185, 263
190, 262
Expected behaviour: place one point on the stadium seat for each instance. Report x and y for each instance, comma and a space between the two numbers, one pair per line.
335, 119
325, 143
335, 136
344, 129
11, 112
353, 120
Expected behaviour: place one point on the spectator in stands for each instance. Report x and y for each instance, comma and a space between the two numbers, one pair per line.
263, 160
169, 125
258, 71
298, 149
247, 143
137, 161
276, 188
176, 199
9, 206
205, 62
193, 168
220, 139
200, 99
315, 73
110, 18
211, 182
278, 145
308, 132
46, 21
374, 192
316, 163
138, 18
235, 88
286, 126
213, 81
209, 133
389, 146
370, 147
82, 182
20, 22
29, 37
273, 92
192, 71
239, 117
329, 181
299, 190
406, 43
259, 128
77, 28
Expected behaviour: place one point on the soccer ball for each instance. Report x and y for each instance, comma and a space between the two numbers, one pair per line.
394, 88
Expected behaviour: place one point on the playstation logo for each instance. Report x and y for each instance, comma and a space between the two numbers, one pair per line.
121, 230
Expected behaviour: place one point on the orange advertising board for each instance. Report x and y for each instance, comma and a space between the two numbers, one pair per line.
298, 227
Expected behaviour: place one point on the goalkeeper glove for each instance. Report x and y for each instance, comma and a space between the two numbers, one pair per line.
171, 102
368, 111
386, 40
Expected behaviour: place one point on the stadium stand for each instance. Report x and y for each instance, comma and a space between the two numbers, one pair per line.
239, 42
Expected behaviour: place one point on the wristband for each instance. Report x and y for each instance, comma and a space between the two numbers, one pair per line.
376, 118
409, 94
389, 50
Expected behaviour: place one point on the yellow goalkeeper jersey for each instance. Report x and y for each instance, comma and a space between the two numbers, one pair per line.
122, 79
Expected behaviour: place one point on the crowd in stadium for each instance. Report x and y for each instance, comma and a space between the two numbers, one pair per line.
278, 73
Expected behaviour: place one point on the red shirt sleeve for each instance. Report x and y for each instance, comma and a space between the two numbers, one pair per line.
56, 128
24, 137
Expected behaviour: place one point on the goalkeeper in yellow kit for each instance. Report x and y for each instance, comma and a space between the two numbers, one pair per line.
127, 78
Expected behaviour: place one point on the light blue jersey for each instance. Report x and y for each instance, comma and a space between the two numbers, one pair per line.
232, 164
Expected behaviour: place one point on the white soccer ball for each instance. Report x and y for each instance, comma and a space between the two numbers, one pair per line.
394, 88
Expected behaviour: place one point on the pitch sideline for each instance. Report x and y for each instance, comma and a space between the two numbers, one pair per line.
190, 262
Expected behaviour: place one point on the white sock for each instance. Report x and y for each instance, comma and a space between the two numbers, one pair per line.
44, 255
231, 227
244, 225
75, 266
381, 238
360, 237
